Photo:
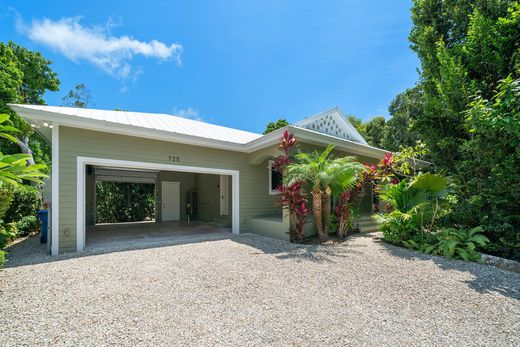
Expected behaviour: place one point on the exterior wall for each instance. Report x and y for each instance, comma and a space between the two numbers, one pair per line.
74, 142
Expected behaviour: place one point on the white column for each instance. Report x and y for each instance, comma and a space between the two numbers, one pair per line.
55, 208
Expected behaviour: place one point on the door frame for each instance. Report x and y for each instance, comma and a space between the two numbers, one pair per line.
82, 162
162, 200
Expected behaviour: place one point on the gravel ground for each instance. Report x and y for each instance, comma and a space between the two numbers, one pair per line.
251, 290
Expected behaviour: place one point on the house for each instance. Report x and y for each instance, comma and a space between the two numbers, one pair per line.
227, 168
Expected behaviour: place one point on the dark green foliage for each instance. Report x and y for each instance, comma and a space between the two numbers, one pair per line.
451, 243
25, 77
25, 202
124, 202
6, 196
489, 176
464, 47
406, 107
469, 109
374, 130
27, 225
272, 126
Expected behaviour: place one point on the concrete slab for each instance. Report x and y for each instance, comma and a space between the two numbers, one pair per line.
118, 234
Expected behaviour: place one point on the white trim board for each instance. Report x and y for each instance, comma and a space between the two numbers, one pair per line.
82, 162
55, 201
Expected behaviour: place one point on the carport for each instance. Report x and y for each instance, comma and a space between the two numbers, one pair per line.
188, 202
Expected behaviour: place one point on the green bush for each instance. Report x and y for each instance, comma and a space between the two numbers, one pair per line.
451, 243
8, 232
6, 196
27, 225
25, 202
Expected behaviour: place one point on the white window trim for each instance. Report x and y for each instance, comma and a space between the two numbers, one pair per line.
82, 163
269, 172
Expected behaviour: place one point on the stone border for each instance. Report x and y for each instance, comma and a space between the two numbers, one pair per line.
506, 264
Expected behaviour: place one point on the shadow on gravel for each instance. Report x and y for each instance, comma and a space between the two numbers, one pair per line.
31, 252
486, 278
303, 252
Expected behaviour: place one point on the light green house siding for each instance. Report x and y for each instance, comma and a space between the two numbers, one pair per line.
255, 199
74, 142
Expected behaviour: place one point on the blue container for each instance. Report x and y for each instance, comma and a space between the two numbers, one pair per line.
43, 215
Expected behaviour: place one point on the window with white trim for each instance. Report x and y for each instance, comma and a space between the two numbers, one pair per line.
275, 179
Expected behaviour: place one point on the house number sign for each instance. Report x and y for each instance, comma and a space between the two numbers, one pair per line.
174, 158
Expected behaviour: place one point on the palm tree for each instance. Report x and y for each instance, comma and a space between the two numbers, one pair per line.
324, 174
341, 174
311, 167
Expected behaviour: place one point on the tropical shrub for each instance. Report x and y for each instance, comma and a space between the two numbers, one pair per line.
415, 206
451, 243
25, 202
27, 225
6, 196
294, 199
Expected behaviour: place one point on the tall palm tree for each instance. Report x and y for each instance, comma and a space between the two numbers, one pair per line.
341, 174
324, 174
311, 167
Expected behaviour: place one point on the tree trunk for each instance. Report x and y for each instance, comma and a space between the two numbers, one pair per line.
316, 209
325, 209
23, 143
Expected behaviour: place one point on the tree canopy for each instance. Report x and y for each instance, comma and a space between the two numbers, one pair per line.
25, 76
272, 126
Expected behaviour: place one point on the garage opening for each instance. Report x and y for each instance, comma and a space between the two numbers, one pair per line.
125, 205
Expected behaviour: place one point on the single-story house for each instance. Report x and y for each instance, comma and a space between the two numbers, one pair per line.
201, 171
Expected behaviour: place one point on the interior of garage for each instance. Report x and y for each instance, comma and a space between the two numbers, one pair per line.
137, 205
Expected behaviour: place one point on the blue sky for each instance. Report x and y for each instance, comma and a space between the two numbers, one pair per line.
233, 63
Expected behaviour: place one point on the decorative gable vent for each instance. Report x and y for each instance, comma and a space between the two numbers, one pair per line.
333, 123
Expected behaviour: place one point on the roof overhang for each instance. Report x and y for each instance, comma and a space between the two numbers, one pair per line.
44, 120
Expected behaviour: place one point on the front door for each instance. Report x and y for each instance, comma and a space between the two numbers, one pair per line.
224, 195
171, 201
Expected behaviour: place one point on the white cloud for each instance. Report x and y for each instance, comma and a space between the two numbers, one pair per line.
96, 45
189, 112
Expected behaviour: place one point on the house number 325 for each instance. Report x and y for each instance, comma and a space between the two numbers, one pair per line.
174, 158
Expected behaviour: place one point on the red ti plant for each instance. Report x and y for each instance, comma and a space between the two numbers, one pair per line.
387, 170
369, 175
287, 146
343, 213
294, 199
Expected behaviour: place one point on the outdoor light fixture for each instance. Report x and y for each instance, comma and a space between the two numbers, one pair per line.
46, 124
51, 126
33, 125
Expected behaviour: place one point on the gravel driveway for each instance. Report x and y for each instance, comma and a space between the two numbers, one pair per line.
251, 290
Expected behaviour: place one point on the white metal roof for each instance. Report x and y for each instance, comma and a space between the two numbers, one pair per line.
164, 127
156, 121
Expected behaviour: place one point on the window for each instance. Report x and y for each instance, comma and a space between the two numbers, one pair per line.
275, 179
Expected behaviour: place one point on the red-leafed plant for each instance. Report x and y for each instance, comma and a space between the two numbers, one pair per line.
293, 198
343, 213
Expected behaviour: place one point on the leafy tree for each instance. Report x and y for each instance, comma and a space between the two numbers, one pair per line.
374, 129
25, 76
489, 176
272, 126
464, 47
78, 97
406, 107
358, 124
14, 168
470, 64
